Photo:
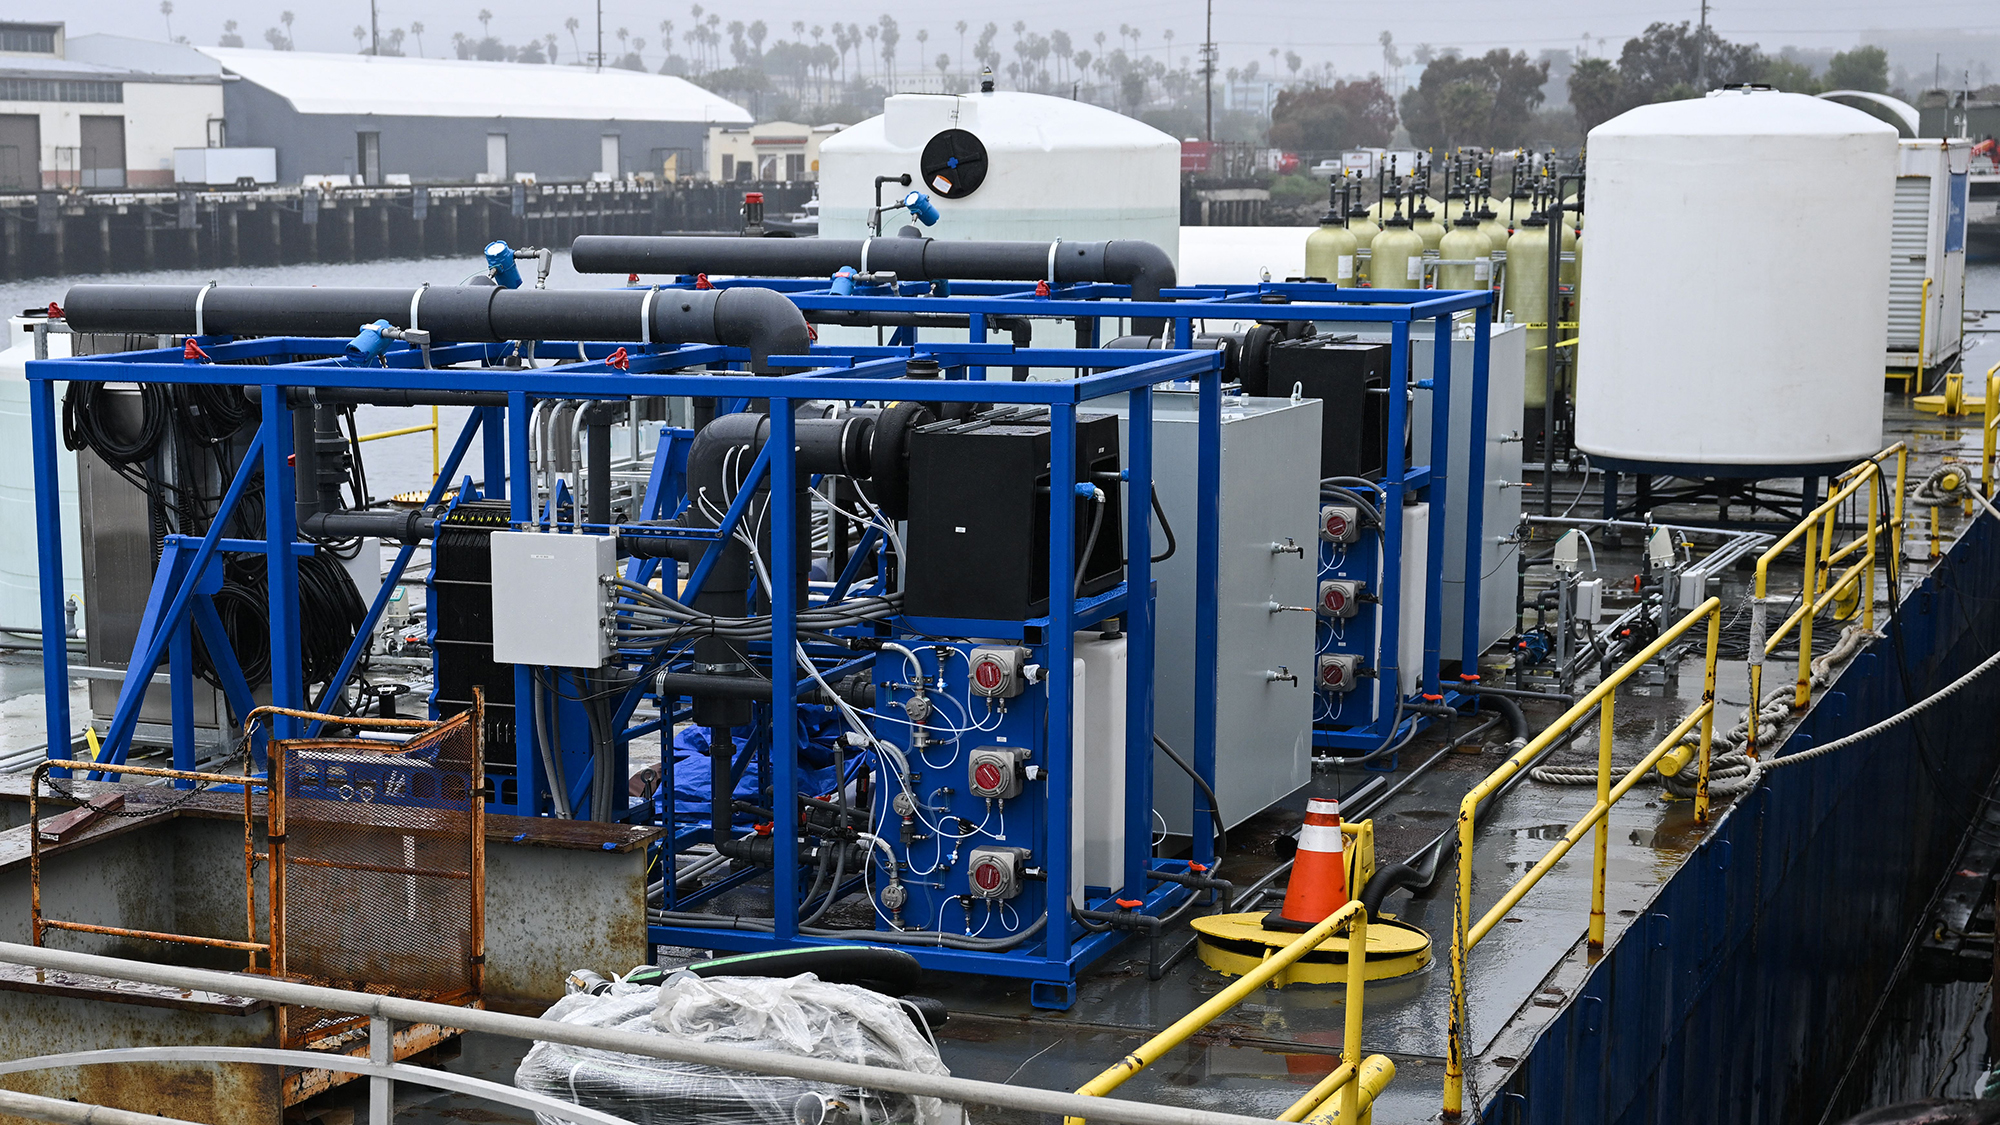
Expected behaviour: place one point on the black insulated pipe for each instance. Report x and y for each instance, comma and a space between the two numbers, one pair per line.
1141, 265
758, 319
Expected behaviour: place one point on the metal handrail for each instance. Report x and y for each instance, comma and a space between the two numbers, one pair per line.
1820, 586
39, 924
1987, 429
382, 1009
1344, 1082
1466, 934
431, 429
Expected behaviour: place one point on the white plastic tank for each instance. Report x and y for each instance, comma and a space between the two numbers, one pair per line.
1007, 165
20, 582
1774, 363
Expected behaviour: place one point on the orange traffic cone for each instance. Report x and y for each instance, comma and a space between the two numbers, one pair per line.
1319, 871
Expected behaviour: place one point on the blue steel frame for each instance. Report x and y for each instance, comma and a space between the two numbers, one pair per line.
852, 374
1398, 309
856, 374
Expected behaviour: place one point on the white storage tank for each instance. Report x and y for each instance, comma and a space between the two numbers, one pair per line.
1005, 165
20, 570
1773, 362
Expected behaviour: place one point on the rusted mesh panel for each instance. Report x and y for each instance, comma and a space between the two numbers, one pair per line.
382, 875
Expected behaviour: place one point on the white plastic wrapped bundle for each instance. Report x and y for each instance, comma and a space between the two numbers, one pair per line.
800, 1015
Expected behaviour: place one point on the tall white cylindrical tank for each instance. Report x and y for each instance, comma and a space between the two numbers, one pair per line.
1007, 165
1775, 365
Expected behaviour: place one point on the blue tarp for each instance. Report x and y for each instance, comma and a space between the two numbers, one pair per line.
817, 732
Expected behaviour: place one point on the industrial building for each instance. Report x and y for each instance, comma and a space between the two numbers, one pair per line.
769, 151
100, 111
369, 118
1010, 657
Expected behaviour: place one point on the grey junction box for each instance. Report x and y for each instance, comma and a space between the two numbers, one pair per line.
551, 598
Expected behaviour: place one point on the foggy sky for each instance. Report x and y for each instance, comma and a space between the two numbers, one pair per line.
1343, 34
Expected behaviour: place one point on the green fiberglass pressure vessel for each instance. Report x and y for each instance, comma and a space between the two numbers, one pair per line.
1330, 250
1397, 257
1465, 242
1525, 298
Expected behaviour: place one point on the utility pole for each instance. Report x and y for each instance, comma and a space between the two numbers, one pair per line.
1701, 51
374, 31
1208, 76
600, 35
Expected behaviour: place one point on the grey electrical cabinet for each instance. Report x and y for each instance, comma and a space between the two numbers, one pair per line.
1269, 505
1500, 433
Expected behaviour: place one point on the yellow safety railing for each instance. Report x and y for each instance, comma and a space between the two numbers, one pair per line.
1466, 933
431, 429
1992, 421
1355, 1082
1820, 585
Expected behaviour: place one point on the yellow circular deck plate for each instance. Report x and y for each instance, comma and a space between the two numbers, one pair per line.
1934, 404
1234, 944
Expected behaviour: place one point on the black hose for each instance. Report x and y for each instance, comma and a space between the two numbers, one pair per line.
1166, 527
1089, 543
1214, 804
1517, 722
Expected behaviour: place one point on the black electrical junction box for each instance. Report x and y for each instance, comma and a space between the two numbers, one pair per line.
979, 514
1351, 380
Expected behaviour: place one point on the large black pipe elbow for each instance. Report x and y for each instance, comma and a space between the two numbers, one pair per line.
761, 320
1141, 265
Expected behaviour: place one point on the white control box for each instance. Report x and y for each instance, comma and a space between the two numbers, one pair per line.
552, 598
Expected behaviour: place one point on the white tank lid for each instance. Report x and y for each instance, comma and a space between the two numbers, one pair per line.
1001, 120
1742, 111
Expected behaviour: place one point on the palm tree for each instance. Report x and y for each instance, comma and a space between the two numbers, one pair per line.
485, 23
550, 41
417, 30
167, 12
1168, 35
360, 34
890, 37
871, 32
757, 33
570, 25
286, 18
960, 27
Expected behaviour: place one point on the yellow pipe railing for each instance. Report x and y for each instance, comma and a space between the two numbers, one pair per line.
432, 429
1342, 1082
1467, 934
1992, 420
1821, 586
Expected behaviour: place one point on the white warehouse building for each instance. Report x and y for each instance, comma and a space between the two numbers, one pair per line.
100, 111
